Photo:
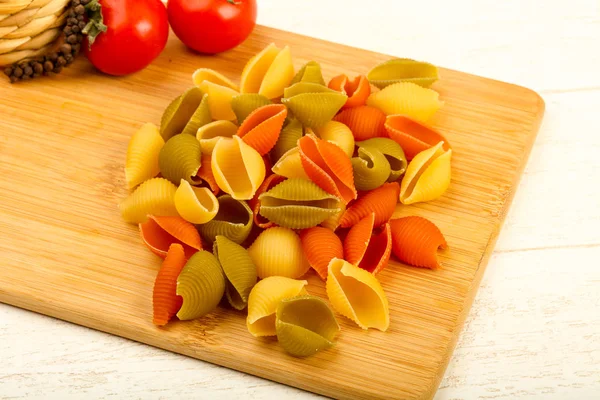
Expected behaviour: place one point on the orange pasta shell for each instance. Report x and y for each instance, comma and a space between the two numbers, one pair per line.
165, 301
381, 201
321, 245
158, 233
357, 89
262, 127
413, 136
328, 166
365, 122
205, 173
269, 183
368, 247
415, 241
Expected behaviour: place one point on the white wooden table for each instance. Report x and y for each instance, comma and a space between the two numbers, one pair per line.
534, 330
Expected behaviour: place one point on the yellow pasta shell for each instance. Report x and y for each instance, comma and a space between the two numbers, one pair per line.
209, 134
180, 159
297, 204
290, 165
195, 205
264, 300
238, 169
201, 284
239, 271
142, 155
256, 68
427, 176
153, 197
403, 70
233, 220
219, 100
278, 76
179, 112
305, 325
244, 104
207, 74
408, 99
357, 294
339, 134
278, 251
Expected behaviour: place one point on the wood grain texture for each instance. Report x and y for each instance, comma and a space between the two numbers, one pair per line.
70, 256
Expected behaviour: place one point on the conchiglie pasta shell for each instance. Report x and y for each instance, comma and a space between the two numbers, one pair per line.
200, 118
339, 134
305, 87
278, 252
238, 169
288, 139
392, 152
371, 169
261, 129
290, 165
243, 104
239, 270
219, 100
256, 68
413, 136
415, 241
233, 220
205, 173
333, 223
142, 155
427, 176
305, 325
196, 205
357, 295
158, 233
201, 284
310, 73
155, 196
165, 301
321, 245
408, 99
180, 159
297, 204
270, 182
313, 109
357, 89
207, 74
328, 166
209, 134
264, 300
403, 70
179, 112
368, 248
365, 122
381, 201
278, 76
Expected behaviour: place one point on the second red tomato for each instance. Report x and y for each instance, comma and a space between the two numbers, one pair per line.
212, 26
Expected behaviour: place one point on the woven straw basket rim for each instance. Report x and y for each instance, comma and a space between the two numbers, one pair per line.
30, 28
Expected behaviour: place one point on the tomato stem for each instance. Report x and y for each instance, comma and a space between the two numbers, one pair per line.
95, 25
234, 2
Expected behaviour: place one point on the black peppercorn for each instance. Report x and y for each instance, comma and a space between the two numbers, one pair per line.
18, 72
57, 69
13, 79
48, 66
38, 68
53, 57
76, 29
68, 30
80, 17
8, 71
28, 71
72, 20
66, 48
72, 39
82, 25
79, 10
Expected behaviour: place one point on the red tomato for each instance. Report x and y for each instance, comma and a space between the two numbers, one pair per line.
212, 26
137, 33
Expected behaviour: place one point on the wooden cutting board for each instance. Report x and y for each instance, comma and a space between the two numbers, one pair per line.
65, 251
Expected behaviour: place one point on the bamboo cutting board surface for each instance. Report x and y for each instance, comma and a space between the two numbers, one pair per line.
66, 252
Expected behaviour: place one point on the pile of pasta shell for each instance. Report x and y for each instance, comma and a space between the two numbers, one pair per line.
243, 189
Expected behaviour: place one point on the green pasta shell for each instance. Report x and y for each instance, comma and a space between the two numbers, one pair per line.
201, 284
305, 325
403, 70
311, 73
233, 220
288, 139
180, 112
297, 204
315, 109
371, 168
180, 159
392, 152
305, 87
243, 104
239, 270
200, 118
